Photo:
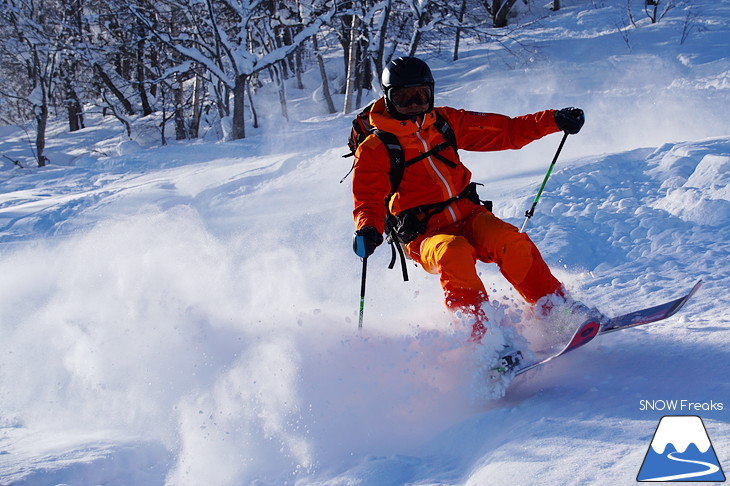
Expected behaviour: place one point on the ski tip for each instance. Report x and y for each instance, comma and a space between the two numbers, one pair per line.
586, 332
695, 288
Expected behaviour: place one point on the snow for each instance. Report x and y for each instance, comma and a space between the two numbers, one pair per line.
689, 430
187, 314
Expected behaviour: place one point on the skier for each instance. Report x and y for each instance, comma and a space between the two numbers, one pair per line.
439, 218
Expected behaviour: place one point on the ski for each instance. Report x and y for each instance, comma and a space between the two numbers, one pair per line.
649, 315
585, 333
592, 328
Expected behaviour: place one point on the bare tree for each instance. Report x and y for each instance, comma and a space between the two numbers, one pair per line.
426, 15
233, 41
651, 7
33, 46
457, 37
500, 9
352, 64
379, 18
197, 61
500, 15
323, 74
71, 63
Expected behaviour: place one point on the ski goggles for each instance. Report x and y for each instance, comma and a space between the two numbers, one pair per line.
411, 95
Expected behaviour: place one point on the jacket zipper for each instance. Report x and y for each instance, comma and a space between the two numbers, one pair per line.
438, 173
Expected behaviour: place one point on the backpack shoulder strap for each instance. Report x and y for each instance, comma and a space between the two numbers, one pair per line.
361, 128
397, 159
443, 126
397, 167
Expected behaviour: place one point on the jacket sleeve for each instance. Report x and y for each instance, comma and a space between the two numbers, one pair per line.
484, 132
370, 184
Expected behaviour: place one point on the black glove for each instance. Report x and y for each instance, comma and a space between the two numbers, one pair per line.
570, 120
365, 240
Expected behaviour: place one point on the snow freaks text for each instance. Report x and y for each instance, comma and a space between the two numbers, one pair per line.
680, 406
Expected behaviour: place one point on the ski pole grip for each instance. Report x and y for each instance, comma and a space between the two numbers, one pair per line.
360, 246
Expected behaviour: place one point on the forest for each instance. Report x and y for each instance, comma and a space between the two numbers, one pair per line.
187, 65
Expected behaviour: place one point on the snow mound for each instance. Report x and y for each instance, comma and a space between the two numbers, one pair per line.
704, 197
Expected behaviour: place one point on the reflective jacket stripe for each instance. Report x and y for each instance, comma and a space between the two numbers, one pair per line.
439, 174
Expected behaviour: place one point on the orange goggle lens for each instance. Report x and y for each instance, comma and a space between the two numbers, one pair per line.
413, 95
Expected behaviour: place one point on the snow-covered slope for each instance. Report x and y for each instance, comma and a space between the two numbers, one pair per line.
187, 315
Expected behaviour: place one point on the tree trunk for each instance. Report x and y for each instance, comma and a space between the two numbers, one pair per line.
146, 108
351, 65
163, 121
500, 16
69, 66
253, 107
117, 93
181, 132
198, 97
298, 67
75, 112
496, 5
238, 129
364, 71
41, 117
278, 75
380, 59
73, 107
415, 40
650, 7
222, 96
462, 11
323, 73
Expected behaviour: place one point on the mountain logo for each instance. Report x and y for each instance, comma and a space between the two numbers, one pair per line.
681, 451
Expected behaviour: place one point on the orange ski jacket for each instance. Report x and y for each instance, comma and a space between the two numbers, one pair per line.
430, 180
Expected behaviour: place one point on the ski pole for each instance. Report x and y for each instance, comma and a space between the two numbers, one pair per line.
531, 211
362, 290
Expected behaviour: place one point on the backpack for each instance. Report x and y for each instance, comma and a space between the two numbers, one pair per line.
401, 230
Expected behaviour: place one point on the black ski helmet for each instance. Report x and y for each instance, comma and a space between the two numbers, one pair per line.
404, 72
